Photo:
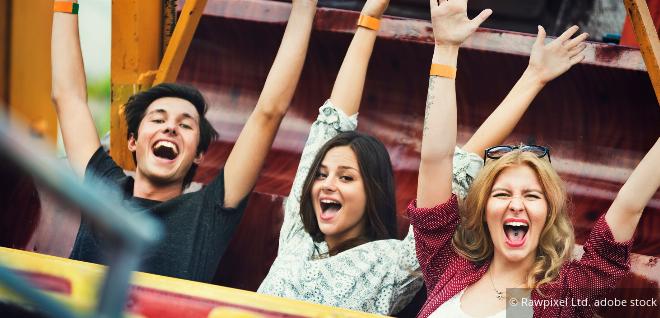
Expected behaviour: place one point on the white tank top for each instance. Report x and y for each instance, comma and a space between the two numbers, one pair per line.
452, 308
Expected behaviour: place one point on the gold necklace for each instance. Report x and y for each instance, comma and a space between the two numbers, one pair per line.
499, 293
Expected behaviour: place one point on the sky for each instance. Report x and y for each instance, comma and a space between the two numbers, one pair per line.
95, 23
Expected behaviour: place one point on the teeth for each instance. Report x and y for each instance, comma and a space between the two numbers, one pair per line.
164, 143
516, 224
329, 201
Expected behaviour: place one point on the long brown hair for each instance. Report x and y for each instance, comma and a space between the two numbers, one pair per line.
376, 171
472, 239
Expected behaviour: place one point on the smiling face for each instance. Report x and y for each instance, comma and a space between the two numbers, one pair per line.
167, 140
516, 213
338, 196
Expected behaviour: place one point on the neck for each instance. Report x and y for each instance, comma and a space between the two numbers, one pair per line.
147, 189
334, 242
508, 274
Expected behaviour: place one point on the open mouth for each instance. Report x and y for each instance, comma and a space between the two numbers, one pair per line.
166, 150
516, 232
329, 208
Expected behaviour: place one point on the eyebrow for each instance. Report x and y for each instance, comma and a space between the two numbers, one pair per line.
507, 190
157, 110
340, 168
163, 111
186, 115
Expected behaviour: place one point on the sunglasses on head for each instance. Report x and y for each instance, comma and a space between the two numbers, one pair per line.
498, 151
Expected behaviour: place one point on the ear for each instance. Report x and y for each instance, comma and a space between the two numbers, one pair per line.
132, 143
198, 158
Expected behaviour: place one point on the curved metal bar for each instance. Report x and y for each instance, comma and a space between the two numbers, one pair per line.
130, 232
22, 287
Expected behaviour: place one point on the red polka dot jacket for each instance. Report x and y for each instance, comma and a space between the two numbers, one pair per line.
602, 265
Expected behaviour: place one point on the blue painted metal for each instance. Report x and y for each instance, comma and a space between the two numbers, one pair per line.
131, 233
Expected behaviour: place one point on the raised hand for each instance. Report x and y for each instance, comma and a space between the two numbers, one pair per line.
451, 25
548, 61
375, 8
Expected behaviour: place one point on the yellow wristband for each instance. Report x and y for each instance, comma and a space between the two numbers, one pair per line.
368, 22
443, 70
66, 7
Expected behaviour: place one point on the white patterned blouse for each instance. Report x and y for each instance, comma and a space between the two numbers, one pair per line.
377, 277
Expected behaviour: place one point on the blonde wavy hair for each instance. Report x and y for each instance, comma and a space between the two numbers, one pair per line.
472, 239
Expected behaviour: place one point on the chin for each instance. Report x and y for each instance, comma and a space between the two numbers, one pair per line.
326, 229
518, 255
164, 177
515, 257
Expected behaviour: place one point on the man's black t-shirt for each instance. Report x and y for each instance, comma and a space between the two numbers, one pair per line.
197, 228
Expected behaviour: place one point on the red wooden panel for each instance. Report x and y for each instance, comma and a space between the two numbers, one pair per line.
599, 119
628, 35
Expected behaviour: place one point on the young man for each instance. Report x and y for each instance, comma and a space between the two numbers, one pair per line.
168, 135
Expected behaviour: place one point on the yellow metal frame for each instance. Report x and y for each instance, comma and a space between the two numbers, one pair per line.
137, 34
180, 41
86, 277
136, 49
647, 37
30, 73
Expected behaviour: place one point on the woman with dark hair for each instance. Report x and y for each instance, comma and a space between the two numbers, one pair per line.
379, 216
513, 231
338, 244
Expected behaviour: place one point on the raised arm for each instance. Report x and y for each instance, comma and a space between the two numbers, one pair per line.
347, 91
626, 210
451, 27
69, 92
249, 152
546, 62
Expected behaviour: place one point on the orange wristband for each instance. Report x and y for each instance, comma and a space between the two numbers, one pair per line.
368, 22
66, 7
443, 70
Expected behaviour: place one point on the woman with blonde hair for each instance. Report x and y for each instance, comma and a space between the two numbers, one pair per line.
514, 230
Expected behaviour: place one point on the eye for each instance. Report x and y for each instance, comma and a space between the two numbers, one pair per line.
500, 195
533, 196
320, 175
157, 121
185, 126
346, 178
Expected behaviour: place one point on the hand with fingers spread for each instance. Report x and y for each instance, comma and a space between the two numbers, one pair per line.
451, 25
548, 61
375, 8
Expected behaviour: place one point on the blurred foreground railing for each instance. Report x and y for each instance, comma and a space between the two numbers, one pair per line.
130, 233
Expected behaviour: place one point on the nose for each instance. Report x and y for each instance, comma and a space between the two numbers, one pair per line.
328, 185
170, 129
516, 204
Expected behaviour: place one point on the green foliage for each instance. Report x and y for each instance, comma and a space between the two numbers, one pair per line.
99, 102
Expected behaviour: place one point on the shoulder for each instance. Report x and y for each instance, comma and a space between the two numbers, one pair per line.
101, 165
